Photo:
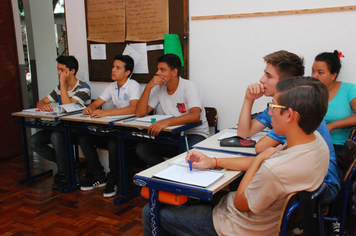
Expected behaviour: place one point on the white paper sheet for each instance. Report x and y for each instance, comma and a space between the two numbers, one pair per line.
197, 177
98, 51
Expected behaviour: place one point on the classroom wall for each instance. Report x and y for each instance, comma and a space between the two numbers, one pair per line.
226, 54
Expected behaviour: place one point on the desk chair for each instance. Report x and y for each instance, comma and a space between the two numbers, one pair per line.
294, 215
347, 163
212, 118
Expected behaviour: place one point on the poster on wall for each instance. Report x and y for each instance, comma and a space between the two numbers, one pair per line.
146, 20
106, 20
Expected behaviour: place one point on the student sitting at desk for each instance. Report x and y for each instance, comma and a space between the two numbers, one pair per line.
125, 93
178, 97
69, 90
297, 109
280, 66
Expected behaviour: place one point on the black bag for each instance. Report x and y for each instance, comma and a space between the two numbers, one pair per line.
237, 141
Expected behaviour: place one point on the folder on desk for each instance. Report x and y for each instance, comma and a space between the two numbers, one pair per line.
197, 177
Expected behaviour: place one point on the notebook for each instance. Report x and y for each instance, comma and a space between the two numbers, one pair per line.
197, 177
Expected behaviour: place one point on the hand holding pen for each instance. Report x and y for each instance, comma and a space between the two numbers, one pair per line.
200, 160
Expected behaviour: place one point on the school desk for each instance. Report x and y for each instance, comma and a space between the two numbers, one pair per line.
145, 178
213, 144
136, 130
39, 120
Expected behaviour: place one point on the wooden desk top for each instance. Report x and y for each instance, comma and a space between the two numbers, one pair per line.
132, 123
228, 177
212, 143
39, 115
86, 119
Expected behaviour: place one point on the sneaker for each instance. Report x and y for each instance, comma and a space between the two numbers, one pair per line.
92, 183
336, 229
110, 190
60, 181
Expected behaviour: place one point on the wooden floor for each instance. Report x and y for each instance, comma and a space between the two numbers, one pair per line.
35, 209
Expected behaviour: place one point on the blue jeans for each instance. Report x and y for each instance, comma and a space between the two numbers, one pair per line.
190, 220
89, 143
39, 143
152, 153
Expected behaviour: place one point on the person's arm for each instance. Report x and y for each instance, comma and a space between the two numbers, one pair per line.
246, 126
265, 143
240, 200
143, 108
192, 117
63, 79
93, 106
116, 112
44, 104
347, 122
201, 161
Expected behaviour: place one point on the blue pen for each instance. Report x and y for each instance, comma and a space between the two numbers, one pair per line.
190, 162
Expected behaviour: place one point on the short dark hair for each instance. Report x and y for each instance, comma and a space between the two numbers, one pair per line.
173, 62
288, 64
306, 95
332, 60
70, 62
129, 62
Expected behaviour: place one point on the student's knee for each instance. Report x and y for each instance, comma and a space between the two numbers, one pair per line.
32, 142
57, 137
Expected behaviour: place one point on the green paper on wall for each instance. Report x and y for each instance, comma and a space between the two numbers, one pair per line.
172, 45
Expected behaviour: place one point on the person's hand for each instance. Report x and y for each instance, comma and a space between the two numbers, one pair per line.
46, 107
254, 91
97, 113
64, 77
330, 126
157, 127
266, 154
200, 160
157, 80
87, 111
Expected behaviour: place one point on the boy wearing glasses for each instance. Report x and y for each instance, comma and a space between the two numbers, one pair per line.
281, 65
256, 206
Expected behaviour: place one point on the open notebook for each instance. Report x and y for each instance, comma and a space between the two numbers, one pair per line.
197, 177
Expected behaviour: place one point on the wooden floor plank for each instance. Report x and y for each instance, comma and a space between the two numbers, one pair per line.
35, 209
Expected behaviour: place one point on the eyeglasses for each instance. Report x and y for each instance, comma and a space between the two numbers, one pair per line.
270, 106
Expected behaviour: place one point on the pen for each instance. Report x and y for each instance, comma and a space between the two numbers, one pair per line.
190, 162
129, 120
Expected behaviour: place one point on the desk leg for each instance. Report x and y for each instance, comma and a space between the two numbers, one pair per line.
29, 177
125, 195
154, 211
71, 170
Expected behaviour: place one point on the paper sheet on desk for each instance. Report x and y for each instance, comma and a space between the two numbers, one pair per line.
122, 117
254, 137
200, 178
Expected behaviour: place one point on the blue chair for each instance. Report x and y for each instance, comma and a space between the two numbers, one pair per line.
292, 213
347, 163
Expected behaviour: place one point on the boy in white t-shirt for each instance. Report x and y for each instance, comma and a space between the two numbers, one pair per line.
178, 97
124, 93
297, 109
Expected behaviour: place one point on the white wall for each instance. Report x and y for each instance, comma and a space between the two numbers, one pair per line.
226, 54
40, 26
